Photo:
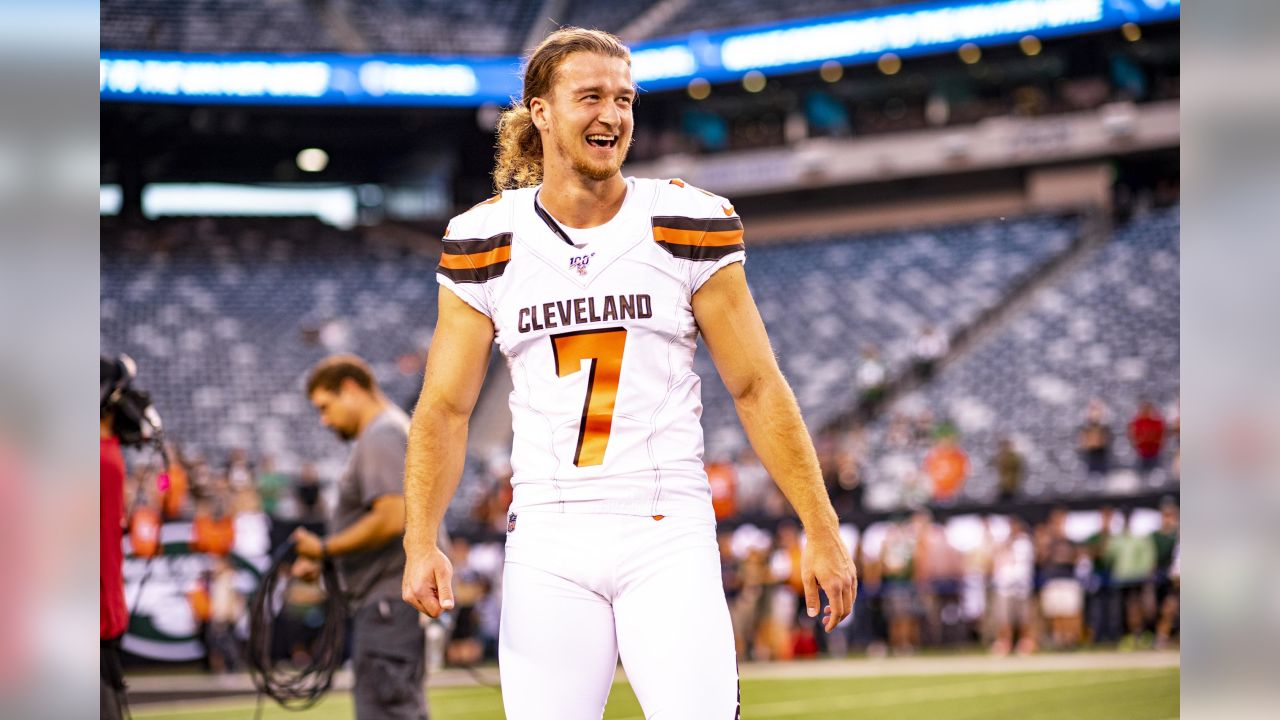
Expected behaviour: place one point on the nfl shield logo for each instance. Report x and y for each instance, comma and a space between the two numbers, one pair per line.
511, 522
579, 263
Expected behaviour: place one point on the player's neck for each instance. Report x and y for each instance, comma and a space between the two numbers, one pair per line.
580, 202
371, 410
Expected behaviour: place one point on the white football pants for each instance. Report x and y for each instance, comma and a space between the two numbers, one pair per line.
579, 590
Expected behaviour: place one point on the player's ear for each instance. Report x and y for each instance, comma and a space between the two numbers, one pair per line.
539, 109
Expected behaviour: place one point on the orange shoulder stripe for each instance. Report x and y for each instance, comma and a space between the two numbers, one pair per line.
697, 237
474, 261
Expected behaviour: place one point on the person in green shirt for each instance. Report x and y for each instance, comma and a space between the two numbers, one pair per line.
271, 486
1166, 580
1133, 563
1103, 600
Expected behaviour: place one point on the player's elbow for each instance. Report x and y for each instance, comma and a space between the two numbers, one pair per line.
755, 386
438, 409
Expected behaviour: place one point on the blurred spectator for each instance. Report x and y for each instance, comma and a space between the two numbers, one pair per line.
870, 379
213, 530
936, 572
1133, 564
1103, 605
465, 647
1167, 622
897, 553
1095, 440
730, 578
1012, 584
226, 607
1166, 590
271, 486
947, 465
1061, 596
846, 492
201, 612
173, 499
308, 491
749, 608
785, 601
1146, 432
929, 348
239, 470
1011, 470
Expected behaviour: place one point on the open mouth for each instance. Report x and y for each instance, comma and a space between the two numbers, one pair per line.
602, 141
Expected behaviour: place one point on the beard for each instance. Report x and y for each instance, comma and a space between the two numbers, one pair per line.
588, 167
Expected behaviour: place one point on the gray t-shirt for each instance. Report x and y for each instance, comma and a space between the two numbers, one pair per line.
376, 468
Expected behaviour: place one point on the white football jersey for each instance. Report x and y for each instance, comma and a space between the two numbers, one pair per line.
600, 342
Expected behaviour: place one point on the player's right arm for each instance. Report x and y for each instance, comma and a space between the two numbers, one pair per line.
456, 367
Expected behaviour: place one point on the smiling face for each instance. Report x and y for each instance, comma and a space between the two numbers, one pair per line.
586, 119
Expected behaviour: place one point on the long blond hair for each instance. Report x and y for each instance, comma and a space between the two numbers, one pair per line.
519, 158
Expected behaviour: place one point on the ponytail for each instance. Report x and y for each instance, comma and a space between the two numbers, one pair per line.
519, 159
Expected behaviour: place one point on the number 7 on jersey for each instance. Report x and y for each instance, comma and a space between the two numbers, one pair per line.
604, 349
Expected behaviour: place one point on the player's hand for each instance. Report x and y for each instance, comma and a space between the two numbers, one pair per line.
306, 569
428, 580
825, 562
308, 544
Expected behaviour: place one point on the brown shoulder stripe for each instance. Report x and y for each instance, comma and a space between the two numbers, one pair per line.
698, 238
478, 260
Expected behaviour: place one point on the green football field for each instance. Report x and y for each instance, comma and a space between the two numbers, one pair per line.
1134, 694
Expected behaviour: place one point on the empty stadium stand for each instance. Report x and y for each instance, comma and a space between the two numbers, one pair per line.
225, 316
214, 26
1107, 330
825, 299
409, 26
720, 14
396, 26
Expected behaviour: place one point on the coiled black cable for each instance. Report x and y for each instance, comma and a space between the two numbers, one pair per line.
294, 688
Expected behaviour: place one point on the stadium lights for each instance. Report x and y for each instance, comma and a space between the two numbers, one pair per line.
387, 78
889, 64
312, 160
903, 30
674, 61
1030, 45
970, 53
280, 79
824, 44
699, 89
754, 81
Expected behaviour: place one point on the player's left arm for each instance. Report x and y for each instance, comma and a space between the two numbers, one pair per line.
735, 335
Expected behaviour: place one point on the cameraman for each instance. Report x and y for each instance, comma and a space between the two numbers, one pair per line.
366, 536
